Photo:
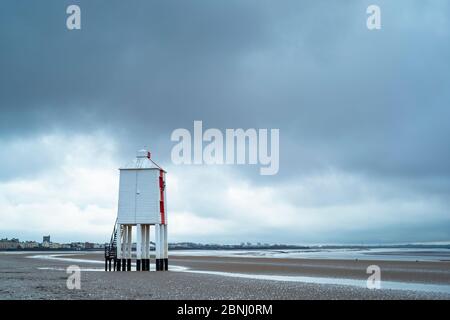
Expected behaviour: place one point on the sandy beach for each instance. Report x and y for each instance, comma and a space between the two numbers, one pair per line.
43, 276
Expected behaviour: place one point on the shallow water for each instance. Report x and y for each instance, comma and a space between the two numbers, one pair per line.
171, 268
59, 258
392, 254
392, 285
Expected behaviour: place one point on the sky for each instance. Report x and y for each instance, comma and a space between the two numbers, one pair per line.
363, 117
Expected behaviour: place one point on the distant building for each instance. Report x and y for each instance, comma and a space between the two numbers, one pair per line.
88, 245
9, 244
46, 239
99, 246
29, 245
77, 245
54, 245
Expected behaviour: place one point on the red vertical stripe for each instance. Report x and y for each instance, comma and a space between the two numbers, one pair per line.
161, 202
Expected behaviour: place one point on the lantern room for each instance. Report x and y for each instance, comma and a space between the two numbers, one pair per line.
141, 192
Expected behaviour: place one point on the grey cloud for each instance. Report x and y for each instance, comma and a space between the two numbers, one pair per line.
354, 99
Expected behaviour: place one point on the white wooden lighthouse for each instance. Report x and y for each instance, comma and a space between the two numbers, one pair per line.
142, 205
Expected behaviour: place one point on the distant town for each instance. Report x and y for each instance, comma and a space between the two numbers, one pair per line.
47, 244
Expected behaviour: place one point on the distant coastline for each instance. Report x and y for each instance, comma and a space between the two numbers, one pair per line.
200, 246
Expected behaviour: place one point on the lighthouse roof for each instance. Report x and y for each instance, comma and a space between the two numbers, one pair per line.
142, 161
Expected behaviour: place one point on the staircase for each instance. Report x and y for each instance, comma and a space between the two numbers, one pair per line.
111, 248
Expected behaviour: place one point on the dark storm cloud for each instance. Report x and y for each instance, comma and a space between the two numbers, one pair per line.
140, 60
369, 103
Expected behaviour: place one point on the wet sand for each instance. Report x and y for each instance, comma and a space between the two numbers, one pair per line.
30, 278
432, 272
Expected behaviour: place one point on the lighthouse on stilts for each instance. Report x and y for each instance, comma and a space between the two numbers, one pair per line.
142, 205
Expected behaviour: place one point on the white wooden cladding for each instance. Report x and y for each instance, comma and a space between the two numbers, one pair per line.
139, 196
